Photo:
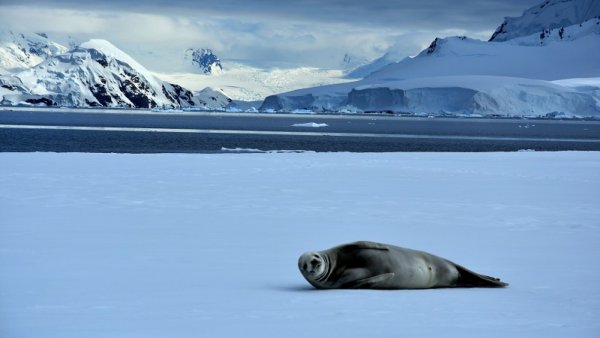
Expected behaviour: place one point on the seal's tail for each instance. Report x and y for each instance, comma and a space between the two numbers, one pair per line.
469, 278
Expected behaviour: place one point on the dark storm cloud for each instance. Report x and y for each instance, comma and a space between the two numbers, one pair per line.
276, 32
423, 14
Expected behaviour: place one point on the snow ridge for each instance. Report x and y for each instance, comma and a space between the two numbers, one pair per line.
21, 51
377, 64
551, 14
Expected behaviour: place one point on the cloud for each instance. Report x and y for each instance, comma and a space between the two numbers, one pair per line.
261, 32
20, 18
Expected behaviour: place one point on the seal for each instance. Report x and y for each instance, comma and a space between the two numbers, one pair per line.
370, 265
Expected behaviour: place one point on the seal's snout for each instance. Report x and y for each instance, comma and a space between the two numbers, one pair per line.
303, 262
311, 263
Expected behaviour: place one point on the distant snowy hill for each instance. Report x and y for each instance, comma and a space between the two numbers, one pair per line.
458, 75
214, 98
204, 60
94, 74
20, 51
549, 15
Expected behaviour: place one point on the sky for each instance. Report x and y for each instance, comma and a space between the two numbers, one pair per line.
263, 33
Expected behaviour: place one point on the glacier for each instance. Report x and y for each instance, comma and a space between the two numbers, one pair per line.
477, 94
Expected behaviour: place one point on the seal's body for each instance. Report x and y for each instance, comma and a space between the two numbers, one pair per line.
370, 265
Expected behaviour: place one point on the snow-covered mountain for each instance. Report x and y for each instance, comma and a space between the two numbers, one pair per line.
20, 51
81, 78
204, 60
537, 56
96, 73
464, 76
549, 15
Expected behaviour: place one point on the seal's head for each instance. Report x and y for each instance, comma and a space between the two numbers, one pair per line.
313, 266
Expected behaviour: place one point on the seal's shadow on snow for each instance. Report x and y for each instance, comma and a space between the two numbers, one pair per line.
294, 288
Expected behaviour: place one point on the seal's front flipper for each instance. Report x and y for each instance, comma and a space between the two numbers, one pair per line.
468, 278
371, 282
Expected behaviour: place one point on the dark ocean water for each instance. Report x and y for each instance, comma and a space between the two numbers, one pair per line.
214, 133
28, 140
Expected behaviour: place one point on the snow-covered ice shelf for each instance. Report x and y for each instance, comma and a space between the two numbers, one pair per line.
105, 245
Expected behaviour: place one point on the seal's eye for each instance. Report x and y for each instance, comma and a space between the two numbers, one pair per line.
304, 266
314, 261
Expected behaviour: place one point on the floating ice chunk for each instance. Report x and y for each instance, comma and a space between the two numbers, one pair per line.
302, 111
349, 109
252, 150
310, 125
233, 110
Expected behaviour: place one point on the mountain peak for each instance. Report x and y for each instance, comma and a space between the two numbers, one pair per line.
109, 49
204, 59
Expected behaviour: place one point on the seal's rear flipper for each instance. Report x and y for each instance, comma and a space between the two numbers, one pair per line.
468, 278
371, 282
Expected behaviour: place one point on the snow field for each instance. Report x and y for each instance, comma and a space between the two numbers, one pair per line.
177, 245
241, 82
